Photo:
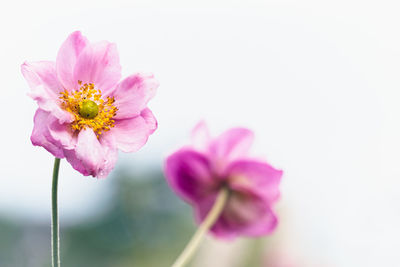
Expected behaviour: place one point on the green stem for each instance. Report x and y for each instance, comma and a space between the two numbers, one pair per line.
55, 240
206, 225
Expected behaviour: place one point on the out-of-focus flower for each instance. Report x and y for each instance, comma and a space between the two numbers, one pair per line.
197, 173
85, 112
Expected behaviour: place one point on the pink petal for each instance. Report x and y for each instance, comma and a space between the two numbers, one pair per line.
188, 173
76, 163
133, 93
111, 155
98, 63
90, 157
247, 213
258, 177
45, 88
265, 225
244, 214
67, 58
232, 144
62, 134
150, 120
42, 73
201, 136
131, 134
41, 135
89, 151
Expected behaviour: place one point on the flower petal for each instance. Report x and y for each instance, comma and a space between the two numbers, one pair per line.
265, 225
76, 163
150, 120
41, 77
201, 136
41, 135
188, 173
62, 134
110, 153
98, 63
245, 210
133, 93
67, 57
244, 214
258, 177
89, 157
232, 144
131, 134
42, 73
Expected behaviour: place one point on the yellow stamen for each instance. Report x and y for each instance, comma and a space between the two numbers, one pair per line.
100, 121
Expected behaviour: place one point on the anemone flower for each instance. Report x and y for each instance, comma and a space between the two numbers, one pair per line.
232, 194
85, 113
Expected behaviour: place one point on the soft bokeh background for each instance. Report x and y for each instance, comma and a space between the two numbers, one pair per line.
318, 81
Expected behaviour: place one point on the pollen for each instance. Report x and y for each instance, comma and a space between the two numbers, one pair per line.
89, 109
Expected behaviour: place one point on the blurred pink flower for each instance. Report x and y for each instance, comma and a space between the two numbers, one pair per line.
85, 112
198, 173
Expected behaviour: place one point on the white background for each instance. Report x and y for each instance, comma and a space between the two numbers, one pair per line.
318, 81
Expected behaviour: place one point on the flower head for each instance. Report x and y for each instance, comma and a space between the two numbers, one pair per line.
197, 173
85, 112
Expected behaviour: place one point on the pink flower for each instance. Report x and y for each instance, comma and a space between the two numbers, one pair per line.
85, 112
198, 173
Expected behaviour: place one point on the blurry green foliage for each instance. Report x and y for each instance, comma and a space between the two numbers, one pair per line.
145, 225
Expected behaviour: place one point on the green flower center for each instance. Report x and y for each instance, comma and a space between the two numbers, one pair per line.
88, 109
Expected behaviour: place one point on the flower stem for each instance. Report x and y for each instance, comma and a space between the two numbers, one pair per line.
55, 240
206, 225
